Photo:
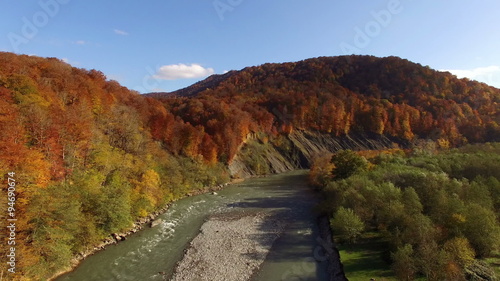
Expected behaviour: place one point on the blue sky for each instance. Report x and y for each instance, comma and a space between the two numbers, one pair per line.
164, 45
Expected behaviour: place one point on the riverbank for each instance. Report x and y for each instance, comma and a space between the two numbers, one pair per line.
335, 266
156, 253
230, 246
137, 226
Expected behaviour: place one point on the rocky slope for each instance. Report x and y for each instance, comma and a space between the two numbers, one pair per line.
302, 147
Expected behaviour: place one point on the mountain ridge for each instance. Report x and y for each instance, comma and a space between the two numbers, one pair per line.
72, 133
367, 89
207, 83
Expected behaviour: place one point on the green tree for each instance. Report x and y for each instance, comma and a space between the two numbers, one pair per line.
411, 201
55, 229
494, 189
114, 209
460, 251
419, 229
347, 224
347, 163
404, 263
431, 260
481, 229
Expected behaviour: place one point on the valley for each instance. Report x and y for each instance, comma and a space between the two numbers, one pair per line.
284, 203
120, 156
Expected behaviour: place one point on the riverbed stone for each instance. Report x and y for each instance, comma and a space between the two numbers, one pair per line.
229, 247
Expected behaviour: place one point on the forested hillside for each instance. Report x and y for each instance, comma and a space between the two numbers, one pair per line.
90, 156
344, 95
87, 159
434, 215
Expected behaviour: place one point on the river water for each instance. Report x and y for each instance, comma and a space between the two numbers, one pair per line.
152, 253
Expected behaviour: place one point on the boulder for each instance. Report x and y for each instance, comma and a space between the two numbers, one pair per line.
156, 222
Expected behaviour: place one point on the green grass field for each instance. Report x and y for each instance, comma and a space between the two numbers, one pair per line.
364, 260
494, 262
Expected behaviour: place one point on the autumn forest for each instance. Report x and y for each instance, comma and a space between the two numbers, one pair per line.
91, 156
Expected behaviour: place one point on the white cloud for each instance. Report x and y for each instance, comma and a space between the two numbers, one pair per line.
182, 71
489, 74
81, 42
120, 32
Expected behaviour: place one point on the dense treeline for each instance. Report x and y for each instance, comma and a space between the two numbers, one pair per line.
439, 213
342, 95
87, 159
71, 133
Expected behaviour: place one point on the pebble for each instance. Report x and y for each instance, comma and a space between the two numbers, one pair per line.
229, 247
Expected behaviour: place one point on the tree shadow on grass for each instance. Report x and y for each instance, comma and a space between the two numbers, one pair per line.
365, 259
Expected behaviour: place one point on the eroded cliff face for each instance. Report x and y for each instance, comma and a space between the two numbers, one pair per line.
297, 150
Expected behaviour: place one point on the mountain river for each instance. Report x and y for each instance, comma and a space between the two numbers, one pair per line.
152, 253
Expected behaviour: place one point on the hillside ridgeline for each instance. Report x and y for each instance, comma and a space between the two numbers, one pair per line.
71, 133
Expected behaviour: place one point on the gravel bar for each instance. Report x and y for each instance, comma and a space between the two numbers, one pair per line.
230, 246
